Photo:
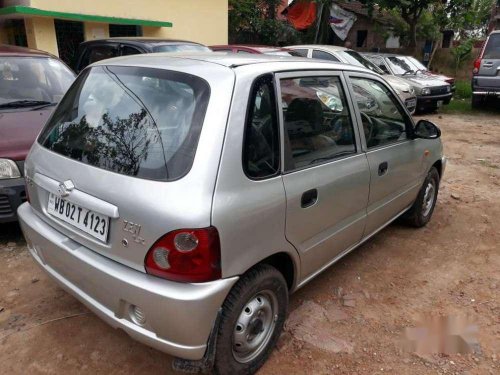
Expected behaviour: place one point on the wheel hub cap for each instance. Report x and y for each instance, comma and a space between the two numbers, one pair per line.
429, 196
255, 326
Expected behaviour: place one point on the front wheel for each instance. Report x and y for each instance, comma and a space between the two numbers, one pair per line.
253, 316
423, 207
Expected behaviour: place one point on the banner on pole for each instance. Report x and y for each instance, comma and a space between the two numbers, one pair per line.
341, 21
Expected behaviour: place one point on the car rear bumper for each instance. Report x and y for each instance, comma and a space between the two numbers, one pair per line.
12, 195
178, 316
431, 101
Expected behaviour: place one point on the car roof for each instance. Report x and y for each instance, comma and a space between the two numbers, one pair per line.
9, 50
139, 41
164, 61
384, 54
320, 46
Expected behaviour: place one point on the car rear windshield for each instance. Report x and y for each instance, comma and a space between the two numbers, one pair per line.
492, 49
181, 48
356, 59
25, 80
139, 122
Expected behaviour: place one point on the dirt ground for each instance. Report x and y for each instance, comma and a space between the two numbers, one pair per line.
350, 320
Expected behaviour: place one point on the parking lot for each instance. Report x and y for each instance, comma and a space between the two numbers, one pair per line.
350, 320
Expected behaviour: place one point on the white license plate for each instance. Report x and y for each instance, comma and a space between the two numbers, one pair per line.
411, 103
90, 222
440, 103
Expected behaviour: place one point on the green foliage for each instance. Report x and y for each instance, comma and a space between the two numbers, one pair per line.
253, 21
462, 52
463, 90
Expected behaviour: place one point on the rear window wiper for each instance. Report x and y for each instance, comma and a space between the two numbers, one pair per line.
25, 103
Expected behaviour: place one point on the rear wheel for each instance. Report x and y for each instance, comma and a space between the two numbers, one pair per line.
423, 207
252, 319
477, 101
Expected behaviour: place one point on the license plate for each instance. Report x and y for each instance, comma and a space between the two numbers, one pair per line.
411, 103
440, 103
90, 222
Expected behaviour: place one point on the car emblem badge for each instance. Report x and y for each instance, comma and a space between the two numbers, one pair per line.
65, 188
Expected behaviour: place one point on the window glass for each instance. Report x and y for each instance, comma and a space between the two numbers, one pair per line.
261, 149
317, 121
400, 65
181, 48
354, 58
243, 51
300, 52
99, 53
379, 62
139, 122
384, 121
32, 79
492, 49
323, 56
127, 50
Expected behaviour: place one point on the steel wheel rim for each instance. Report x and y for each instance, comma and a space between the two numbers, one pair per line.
429, 196
255, 326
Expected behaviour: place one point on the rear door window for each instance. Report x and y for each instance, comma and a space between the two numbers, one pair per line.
492, 49
140, 122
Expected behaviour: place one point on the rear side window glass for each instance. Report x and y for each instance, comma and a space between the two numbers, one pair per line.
324, 56
99, 53
492, 49
261, 152
318, 126
300, 52
127, 50
139, 122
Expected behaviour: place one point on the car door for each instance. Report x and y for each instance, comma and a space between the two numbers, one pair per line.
325, 173
396, 160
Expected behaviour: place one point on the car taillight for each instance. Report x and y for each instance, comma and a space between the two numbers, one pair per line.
186, 255
477, 65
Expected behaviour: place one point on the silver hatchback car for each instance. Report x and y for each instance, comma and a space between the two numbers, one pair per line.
183, 198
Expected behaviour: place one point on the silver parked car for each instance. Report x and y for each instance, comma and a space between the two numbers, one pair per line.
182, 199
348, 56
432, 93
486, 72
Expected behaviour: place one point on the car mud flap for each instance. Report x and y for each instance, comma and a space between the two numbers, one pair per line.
204, 365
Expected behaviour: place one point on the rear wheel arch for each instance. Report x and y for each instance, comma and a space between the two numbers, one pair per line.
285, 264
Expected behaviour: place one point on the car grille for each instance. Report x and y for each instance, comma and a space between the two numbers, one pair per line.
5, 208
439, 90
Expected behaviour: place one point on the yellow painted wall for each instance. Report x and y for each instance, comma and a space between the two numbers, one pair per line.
41, 34
203, 21
95, 30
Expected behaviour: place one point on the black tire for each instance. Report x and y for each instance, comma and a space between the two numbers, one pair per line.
420, 214
261, 279
477, 101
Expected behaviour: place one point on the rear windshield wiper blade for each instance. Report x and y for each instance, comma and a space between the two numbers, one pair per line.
24, 103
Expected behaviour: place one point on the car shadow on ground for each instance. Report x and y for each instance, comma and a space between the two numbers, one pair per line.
11, 232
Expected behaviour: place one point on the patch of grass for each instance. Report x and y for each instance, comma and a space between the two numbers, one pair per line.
463, 90
458, 106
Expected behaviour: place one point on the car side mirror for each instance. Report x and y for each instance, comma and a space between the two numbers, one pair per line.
426, 130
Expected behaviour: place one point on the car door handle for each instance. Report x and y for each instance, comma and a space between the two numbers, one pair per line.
309, 198
487, 65
382, 168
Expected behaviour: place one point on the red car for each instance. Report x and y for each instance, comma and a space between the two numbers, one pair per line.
31, 84
266, 50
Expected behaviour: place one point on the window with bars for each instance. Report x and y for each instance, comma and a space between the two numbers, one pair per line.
124, 30
69, 35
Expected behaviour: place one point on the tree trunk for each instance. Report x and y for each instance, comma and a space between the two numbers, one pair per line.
413, 35
437, 43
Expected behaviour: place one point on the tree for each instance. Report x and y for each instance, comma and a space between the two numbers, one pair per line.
411, 12
253, 21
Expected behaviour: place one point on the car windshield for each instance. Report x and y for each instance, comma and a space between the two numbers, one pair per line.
492, 49
417, 64
140, 122
355, 58
181, 48
30, 81
401, 65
